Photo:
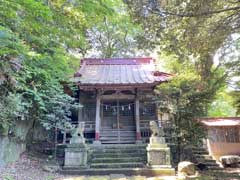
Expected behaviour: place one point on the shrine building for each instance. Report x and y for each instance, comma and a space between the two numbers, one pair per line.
118, 98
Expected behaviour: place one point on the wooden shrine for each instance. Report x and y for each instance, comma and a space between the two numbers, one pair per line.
118, 98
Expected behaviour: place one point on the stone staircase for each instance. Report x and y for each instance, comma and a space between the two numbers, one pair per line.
204, 160
118, 156
128, 159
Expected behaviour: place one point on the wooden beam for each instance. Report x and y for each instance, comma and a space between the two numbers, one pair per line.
117, 96
91, 87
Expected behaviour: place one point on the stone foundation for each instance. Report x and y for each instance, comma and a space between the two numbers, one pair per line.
76, 153
75, 157
158, 153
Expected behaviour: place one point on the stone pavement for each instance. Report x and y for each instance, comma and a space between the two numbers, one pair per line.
118, 177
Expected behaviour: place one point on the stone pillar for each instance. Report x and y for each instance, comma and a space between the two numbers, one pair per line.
76, 153
76, 156
97, 120
158, 153
137, 119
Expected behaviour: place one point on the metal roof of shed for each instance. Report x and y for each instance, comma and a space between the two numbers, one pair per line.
119, 71
220, 121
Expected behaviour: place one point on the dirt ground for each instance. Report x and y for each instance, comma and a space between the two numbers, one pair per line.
26, 168
30, 168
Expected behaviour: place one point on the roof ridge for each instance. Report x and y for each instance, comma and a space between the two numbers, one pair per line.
118, 61
118, 58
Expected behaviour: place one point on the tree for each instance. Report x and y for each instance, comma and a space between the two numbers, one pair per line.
35, 39
192, 30
188, 34
38, 41
223, 105
114, 36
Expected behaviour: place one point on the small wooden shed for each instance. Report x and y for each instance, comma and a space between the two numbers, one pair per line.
223, 135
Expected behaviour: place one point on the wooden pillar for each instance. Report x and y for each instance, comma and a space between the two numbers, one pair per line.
80, 109
137, 118
97, 123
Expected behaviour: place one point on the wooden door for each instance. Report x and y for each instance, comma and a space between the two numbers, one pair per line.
109, 115
126, 115
117, 122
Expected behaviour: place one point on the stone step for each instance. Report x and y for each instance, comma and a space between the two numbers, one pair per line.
119, 159
106, 138
119, 146
215, 168
119, 151
208, 164
199, 151
202, 156
125, 171
116, 132
198, 148
117, 165
116, 136
128, 128
119, 155
120, 135
205, 160
118, 142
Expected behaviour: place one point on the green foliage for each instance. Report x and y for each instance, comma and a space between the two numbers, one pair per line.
184, 98
222, 106
40, 44
11, 107
35, 39
188, 34
58, 109
115, 36
193, 31
236, 100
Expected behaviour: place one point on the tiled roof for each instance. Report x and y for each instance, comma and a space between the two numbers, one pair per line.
119, 71
220, 121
